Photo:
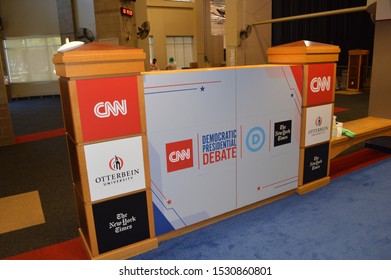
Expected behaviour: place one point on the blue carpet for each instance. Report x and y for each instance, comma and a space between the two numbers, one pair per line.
350, 219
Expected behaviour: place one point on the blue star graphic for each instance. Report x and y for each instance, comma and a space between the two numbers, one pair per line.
202, 88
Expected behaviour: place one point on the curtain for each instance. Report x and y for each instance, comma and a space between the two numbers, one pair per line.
348, 31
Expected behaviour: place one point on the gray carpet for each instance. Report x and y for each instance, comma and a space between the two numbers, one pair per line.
43, 166
36, 114
350, 219
40, 165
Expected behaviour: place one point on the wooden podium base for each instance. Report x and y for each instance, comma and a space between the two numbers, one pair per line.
122, 253
313, 185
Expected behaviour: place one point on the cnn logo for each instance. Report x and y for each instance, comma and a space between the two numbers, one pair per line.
179, 155
320, 84
106, 109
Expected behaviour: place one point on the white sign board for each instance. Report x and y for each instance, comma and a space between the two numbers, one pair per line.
187, 115
318, 124
220, 139
115, 167
269, 118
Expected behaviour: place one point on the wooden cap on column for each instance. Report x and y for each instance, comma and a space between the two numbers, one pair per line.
358, 52
302, 52
97, 59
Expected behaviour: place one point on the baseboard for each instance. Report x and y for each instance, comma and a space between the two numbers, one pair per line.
313, 185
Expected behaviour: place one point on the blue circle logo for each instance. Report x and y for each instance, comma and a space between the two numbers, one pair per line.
255, 139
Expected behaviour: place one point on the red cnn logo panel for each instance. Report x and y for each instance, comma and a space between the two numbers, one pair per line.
320, 84
108, 107
179, 155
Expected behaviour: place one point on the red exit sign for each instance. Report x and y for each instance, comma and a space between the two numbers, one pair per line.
126, 12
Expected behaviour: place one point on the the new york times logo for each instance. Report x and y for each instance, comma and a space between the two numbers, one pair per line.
282, 133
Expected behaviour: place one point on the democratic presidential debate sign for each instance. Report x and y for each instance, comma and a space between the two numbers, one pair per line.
115, 167
109, 107
219, 140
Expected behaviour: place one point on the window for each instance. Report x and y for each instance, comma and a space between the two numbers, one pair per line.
30, 59
181, 49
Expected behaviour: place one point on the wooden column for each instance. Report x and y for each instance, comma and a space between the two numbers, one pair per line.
102, 98
319, 69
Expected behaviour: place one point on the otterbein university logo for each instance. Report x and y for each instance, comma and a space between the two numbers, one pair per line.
318, 121
116, 163
179, 155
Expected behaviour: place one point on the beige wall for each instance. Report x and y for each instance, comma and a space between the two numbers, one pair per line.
380, 97
111, 25
29, 18
188, 19
21, 90
170, 19
252, 50
23, 18
256, 45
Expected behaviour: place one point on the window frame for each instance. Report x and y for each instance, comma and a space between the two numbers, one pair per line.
33, 55
181, 48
